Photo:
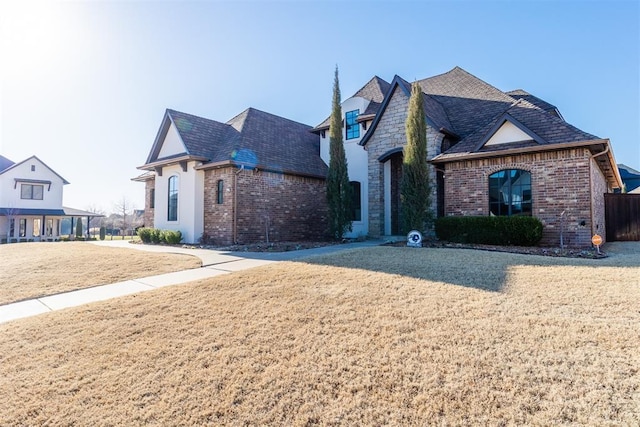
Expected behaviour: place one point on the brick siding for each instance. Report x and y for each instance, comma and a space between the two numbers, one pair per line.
286, 207
559, 182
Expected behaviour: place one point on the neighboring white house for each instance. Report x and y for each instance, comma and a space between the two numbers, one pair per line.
31, 201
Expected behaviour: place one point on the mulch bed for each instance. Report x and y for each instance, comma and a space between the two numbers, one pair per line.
296, 246
526, 250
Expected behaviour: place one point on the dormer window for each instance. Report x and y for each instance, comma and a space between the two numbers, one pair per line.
33, 168
353, 127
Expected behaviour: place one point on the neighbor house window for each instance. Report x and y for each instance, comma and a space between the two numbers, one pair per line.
356, 204
36, 227
12, 227
510, 192
220, 199
30, 191
353, 128
49, 227
23, 227
172, 214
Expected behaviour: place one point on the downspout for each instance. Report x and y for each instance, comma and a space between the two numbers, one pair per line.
235, 204
593, 156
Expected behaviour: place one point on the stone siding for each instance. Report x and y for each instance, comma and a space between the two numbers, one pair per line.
559, 182
389, 134
149, 194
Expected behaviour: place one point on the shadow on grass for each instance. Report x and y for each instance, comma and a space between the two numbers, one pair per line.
478, 269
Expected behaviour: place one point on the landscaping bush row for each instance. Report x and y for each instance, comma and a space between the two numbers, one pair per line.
490, 230
154, 235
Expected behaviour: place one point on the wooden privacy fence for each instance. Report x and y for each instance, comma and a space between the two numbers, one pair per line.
622, 216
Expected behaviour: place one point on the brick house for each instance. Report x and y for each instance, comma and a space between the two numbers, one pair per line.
256, 177
490, 153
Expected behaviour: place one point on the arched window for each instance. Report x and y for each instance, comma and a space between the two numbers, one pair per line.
220, 192
510, 192
172, 205
356, 204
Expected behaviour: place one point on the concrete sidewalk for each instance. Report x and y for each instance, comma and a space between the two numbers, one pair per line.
214, 263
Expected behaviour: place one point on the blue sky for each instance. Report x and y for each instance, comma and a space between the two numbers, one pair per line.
84, 85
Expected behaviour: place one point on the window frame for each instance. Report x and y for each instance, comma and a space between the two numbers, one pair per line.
172, 198
356, 196
220, 192
352, 127
519, 195
30, 194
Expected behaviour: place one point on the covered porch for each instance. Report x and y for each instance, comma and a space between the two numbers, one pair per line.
39, 225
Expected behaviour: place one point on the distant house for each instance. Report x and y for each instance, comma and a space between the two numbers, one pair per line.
491, 152
31, 201
256, 177
631, 178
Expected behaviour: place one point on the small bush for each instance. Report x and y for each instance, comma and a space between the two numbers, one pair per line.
171, 237
490, 230
143, 233
156, 235
103, 233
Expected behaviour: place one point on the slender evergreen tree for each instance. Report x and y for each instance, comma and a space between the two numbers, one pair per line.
415, 189
338, 188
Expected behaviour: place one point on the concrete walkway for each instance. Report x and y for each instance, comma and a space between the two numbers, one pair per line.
214, 263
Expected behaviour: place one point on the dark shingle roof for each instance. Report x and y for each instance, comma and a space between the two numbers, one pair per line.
252, 137
549, 128
374, 90
519, 93
468, 101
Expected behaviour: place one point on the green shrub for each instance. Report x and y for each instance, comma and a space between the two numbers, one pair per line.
144, 234
490, 230
156, 235
171, 237
103, 233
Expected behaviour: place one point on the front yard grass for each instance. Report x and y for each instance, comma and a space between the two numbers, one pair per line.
31, 270
377, 336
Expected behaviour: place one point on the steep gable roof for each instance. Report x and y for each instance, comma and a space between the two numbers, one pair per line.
15, 165
468, 101
252, 138
374, 90
544, 128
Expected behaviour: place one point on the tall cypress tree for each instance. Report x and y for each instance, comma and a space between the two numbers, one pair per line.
415, 189
338, 188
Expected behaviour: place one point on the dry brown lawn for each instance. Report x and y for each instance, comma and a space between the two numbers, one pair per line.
31, 270
379, 336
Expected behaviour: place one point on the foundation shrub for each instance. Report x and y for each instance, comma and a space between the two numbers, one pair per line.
145, 234
171, 237
490, 230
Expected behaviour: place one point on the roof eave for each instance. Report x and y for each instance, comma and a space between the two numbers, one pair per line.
172, 161
258, 167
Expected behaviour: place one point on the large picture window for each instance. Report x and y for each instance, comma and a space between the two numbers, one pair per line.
172, 205
356, 204
510, 192
30, 191
36, 227
351, 121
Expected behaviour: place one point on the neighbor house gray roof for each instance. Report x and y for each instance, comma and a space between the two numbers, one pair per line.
5, 163
253, 138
